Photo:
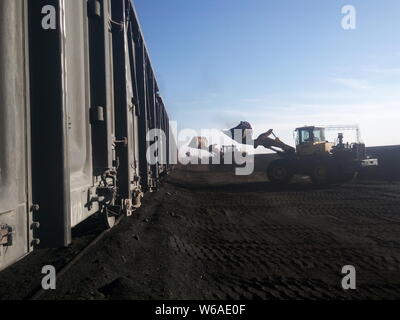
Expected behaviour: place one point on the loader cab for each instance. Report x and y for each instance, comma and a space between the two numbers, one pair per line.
309, 135
311, 141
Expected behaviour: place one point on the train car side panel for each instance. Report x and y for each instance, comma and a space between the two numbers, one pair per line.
76, 46
49, 122
125, 109
15, 231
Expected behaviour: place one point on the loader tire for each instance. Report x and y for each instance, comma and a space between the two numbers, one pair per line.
345, 177
280, 172
321, 174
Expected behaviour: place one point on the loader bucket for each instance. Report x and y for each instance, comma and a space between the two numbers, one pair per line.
246, 136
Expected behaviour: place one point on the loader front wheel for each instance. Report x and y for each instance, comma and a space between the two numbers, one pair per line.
279, 172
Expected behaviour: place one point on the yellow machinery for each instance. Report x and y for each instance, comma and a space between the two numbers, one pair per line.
311, 141
325, 162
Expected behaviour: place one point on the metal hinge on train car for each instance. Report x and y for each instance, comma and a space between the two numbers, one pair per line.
96, 114
123, 142
135, 106
6, 235
94, 9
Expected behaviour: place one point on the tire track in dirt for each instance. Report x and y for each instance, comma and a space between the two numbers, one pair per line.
289, 244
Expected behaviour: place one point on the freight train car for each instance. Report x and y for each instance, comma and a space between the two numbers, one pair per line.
78, 96
16, 234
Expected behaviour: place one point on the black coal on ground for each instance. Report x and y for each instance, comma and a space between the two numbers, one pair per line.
389, 163
211, 235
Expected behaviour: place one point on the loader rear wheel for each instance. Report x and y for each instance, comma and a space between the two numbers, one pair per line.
346, 177
320, 174
280, 172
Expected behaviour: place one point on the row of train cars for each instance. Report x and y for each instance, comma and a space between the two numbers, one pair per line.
78, 96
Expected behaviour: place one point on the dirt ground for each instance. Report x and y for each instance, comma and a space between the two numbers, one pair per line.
210, 235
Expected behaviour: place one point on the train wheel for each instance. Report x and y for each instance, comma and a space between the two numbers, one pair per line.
108, 218
279, 172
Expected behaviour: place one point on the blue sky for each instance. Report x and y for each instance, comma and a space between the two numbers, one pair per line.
277, 63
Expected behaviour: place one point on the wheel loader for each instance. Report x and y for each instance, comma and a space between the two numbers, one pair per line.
324, 162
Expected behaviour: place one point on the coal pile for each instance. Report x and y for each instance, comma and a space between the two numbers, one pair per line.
389, 164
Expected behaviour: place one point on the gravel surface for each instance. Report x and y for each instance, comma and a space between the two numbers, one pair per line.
210, 235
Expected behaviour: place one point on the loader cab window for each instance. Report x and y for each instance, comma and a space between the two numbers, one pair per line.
319, 135
303, 136
309, 135
306, 136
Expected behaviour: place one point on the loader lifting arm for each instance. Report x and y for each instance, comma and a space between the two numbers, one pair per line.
272, 144
264, 139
